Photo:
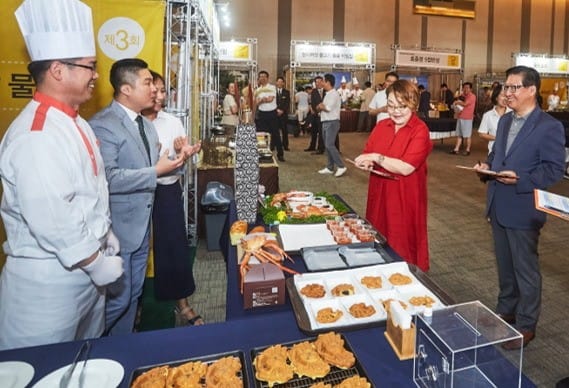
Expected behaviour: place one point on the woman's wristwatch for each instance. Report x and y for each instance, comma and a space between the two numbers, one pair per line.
381, 158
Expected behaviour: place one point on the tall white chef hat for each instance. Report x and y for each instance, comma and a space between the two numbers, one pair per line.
355, 81
343, 80
56, 29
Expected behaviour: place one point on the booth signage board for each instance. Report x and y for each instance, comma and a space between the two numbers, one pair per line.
542, 64
329, 54
431, 59
235, 51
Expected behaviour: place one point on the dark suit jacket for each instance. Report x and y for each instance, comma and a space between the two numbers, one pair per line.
537, 155
283, 101
131, 176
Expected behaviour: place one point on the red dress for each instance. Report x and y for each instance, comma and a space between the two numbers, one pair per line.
398, 208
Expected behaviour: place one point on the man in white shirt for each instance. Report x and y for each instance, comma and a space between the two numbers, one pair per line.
267, 118
329, 110
378, 105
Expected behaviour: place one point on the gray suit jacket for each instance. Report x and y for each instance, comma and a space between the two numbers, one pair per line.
131, 176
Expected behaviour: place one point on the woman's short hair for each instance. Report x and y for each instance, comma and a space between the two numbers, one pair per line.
406, 92
495, 93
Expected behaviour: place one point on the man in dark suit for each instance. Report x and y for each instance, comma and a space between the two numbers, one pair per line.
283, 106
528, 154
316, 97
130, 149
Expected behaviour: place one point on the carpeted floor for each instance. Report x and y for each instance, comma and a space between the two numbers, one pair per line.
462, 260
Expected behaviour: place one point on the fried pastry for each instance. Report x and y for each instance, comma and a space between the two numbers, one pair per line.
398, 279
422, 301
354, 382
154, 378
343, 289
371, 281
313, 290
330, 347
188, 375
271, 365
224, 373
306, 361
361, 310
328, 315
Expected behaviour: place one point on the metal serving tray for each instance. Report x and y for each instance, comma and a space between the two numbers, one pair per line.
300, 305
354, 255
336, 375
208, 359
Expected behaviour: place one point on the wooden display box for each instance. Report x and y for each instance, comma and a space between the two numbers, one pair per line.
264, 285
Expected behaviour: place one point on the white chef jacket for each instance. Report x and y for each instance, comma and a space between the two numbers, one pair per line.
55, 208
168, 127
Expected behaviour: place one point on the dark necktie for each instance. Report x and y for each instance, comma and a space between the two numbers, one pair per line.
143, 136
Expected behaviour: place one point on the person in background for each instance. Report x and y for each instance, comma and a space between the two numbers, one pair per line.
364, 122
424, 102
378, 105
329, 110
316, 141
266, 112
230, 107
356, 93
283, 107
399, 146
553, 100
60, 248
489, 123
529, 154
446, 96
344, 91
465, 105
301, 99
130, 148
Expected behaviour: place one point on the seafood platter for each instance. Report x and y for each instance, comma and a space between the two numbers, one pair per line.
219, 370
314, 362
303, 204
357, 298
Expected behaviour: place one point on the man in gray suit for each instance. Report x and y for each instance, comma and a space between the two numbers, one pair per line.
131, 152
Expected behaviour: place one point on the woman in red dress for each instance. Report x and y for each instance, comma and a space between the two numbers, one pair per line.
400, 146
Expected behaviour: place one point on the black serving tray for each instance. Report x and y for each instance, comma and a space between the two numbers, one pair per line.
303, 321
209, 359
336, 375
312, 266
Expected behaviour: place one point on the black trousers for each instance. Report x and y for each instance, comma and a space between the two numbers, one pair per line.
283, 121
269, 122
316, 140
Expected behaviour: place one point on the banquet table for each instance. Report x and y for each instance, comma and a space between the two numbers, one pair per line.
441, 128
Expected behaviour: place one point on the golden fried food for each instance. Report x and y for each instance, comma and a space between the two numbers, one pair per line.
361, 310
422, 301
271, 365
188, 375
320, 385
398, 279
354, 382
154, 378
224, 373
387, 304
371, 281
330, 347
328, 315
343, 289
313, 290
306, 361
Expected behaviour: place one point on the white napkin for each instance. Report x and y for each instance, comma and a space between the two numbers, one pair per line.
399, 316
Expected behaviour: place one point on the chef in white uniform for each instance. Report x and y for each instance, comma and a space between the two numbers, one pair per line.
60, 249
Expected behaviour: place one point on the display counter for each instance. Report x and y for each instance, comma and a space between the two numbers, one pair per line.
441, 128
349, 120
268, 177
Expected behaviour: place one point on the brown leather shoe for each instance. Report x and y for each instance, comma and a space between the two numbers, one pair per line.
508, 318
527, 337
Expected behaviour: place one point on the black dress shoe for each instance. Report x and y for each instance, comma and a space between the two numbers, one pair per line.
508, 318
563, 383
287, 149
309, 150
281, 159
527, 337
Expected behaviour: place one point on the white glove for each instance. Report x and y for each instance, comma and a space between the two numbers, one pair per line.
112, 246
104, 269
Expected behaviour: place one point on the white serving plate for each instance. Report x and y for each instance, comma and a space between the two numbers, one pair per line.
98, 373
15, 374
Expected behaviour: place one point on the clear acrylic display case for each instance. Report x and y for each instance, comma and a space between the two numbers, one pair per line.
460, 346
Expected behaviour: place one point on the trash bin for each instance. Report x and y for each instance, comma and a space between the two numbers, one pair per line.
215, 204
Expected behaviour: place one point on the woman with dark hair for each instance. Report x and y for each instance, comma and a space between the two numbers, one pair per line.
173, 275
489, 123
230, 107
399, 146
